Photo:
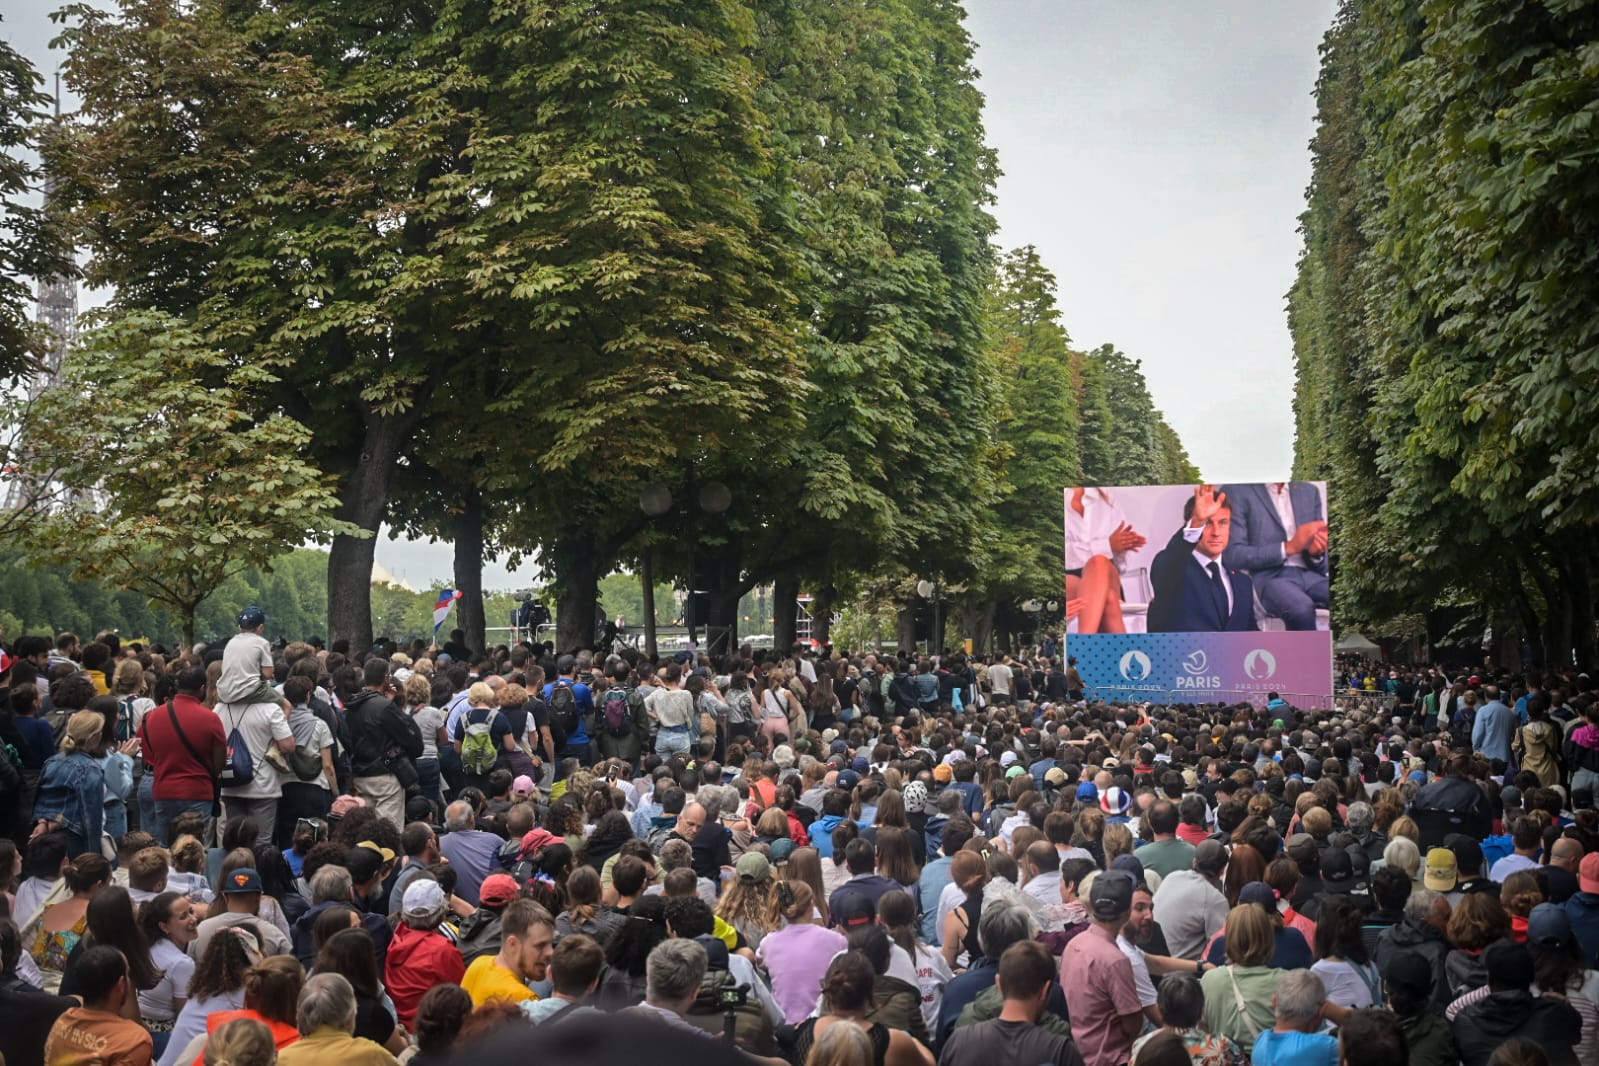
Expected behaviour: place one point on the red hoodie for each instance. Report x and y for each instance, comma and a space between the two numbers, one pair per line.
417, 960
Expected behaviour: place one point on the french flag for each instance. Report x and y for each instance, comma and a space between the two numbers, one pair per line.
442, 609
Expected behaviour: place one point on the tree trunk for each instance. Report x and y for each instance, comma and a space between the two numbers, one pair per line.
1531, 625
363, 497
721, 577
186, 615
907, 628
577, 592
468, 530
647, 580
978, 621
1577, 581
785, 598
822, 614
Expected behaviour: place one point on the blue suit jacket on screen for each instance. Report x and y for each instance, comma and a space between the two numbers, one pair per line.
1183, 601
1258, 533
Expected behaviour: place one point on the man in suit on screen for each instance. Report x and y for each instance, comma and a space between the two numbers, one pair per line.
1195, 592
1280, 537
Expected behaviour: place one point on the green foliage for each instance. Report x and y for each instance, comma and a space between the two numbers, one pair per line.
1444, 312
30, 242
1126, 441
1037, 431
178, 486
388, 203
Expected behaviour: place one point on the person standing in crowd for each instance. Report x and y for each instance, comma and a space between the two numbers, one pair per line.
1190, 904
184, 748
1098, 979
71, 797
386, 744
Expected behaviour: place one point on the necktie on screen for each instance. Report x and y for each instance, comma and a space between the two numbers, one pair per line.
1218, 593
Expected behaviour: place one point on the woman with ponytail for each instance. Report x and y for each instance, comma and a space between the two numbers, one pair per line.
71, 796
796, 955
896, 912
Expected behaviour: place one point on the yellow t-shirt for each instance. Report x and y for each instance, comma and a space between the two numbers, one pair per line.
486, 979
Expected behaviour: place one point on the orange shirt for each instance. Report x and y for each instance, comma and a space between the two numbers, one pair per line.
83, 1036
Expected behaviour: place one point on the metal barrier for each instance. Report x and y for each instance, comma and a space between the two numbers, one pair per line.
1303, 701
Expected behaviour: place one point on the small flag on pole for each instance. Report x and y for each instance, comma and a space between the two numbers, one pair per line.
442, 609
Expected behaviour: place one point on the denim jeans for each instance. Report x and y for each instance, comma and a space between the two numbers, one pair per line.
166, 810
428, 776
147, 815
116, 820
669, 741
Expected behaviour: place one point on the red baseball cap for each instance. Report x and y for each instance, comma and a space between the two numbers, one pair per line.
1588, 873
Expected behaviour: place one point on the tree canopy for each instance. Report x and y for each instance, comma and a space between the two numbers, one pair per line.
1443, 315
509, 264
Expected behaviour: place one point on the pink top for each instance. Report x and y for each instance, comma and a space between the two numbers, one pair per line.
796, 957
1098, 982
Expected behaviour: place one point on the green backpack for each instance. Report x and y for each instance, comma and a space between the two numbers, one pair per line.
478, 751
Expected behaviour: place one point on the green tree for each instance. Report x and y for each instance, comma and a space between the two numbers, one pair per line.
1037, 433
31, 244
180, 486
1442, 313
371, 199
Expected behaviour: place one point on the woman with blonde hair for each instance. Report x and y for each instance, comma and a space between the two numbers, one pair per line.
745, 902
1403, 854
1117, 839
1406, 827
842, 1045
1238, 996
782, 715
482, 710
71, 791
241, 1042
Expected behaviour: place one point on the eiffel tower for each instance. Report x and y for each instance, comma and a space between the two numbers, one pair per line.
58, 312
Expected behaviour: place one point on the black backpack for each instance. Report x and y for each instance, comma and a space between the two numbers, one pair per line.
563, 708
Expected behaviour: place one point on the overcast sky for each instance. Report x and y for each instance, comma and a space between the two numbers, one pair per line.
1156, 153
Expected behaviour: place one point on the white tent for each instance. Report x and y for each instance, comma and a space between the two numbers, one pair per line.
1353, 643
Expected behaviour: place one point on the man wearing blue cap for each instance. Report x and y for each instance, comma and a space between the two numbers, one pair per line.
241, 892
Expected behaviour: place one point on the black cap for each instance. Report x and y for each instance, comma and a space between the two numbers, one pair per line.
1111, 896
1337, 870
855, 910
1468, 853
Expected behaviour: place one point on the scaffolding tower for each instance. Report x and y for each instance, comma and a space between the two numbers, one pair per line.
58, 312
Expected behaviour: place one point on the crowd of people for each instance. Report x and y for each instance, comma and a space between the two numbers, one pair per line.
256, 854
